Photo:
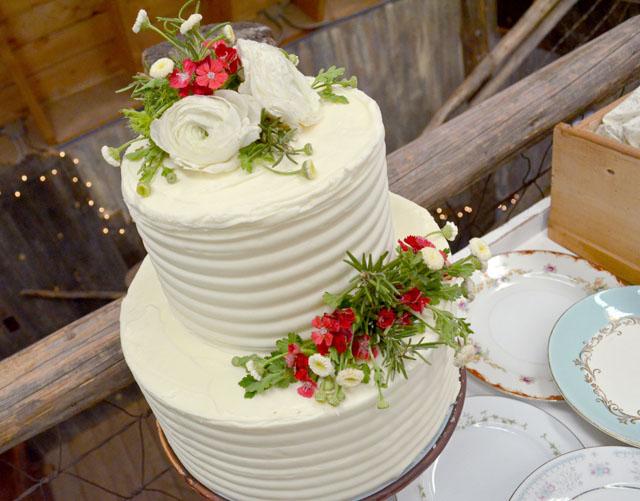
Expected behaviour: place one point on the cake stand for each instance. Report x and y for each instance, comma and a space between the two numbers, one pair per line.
426, 458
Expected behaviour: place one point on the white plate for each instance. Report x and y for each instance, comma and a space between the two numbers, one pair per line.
497, 443
597, 474
518, 299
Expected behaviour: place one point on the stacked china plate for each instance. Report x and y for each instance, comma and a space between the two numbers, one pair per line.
548, 327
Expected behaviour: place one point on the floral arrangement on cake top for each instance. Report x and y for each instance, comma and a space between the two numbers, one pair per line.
376, 325
220, 103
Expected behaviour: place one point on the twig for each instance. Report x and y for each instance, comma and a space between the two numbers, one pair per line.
56, 294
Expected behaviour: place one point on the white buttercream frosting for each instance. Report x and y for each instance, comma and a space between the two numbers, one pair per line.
243, 258
279, 445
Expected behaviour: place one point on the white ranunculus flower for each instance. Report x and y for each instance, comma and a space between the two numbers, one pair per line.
480, 249
276, 83
206, 132
141, 19
110, 155
161, 68
433, 258
349, 377
320, 365
190, 23
449, 231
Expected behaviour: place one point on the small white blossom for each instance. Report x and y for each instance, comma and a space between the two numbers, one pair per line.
320, 365
229, 34
161, 68
348, 378
110, 155
449, 231
466, 354
141, 20
433, 258
190, 23
252, 369
480, 249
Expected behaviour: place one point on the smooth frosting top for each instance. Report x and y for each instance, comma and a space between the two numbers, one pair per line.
341, 141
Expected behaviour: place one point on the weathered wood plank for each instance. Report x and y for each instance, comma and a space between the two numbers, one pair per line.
452, 157
80, 364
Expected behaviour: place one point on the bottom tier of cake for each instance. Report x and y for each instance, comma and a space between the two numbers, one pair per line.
279, 445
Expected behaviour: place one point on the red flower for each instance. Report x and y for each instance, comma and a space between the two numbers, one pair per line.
340, 343
307, 389
292, 352
345, 317
302, 374
415, 300
360, 348
180, 79
210, 73
386, 317
414, 242
405, 318
228, 56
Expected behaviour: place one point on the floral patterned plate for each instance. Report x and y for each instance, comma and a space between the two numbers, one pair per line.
610, 473
517, 300
498, 441
594, 353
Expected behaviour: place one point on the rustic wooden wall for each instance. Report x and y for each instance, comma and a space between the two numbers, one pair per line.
407, 55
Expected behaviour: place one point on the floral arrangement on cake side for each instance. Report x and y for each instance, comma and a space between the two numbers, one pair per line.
376, 325
220, 103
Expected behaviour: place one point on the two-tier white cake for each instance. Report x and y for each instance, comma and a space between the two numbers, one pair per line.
240, 252
235, 261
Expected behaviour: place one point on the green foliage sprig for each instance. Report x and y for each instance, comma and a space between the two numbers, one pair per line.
273, 145
326, 80
384, 286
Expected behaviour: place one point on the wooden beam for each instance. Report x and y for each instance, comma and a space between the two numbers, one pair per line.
79, 365
61, 375
24, 86
452, 157
474, 31
500, 78
494, 60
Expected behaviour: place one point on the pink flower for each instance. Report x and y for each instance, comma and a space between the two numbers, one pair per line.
307, 389
360, 348
210, 74
415, 300
181, 78
290, 357
416, 243
386, 317
405, 318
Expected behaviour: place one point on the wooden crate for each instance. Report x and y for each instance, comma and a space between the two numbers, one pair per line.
595, 196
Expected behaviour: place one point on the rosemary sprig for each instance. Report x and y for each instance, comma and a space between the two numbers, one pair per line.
273, 145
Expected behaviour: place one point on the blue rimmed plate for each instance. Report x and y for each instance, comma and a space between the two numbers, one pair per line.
594, 355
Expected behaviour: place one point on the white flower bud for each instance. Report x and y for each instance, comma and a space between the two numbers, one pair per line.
161, 68
433, 258
320, 365
348, 378
229, 34
110, 155
190, 23
142, 19
449, 231
480, 249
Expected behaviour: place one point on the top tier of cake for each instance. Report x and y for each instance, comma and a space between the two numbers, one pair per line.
244, 258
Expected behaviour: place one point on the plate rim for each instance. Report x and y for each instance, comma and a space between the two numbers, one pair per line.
574, 406
558, 254
517, 401
584, 449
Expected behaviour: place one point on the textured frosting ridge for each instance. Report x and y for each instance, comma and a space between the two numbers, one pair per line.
279, 446
244, 259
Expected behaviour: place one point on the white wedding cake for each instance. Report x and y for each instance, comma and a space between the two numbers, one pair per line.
239, 256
